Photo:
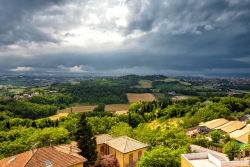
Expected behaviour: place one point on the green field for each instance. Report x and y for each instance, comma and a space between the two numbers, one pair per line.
13, 83
144, 84
16, 90
172, 86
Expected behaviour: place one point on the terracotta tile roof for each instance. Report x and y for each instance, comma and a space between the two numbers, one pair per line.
100, 139
20, 161
246, 128
243, 138
55, 155
125, 144
239, 133
232, 126
216, 123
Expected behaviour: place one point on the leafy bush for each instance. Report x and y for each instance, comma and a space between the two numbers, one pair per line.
109, 161
215, 136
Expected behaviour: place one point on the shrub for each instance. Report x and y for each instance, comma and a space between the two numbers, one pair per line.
215, 136
109, 161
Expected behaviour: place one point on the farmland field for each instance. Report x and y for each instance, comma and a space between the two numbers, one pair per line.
172, 80
111, 107
181, 97
172, 86
144, 84
16, 90
55, 117
13, 83
133, 97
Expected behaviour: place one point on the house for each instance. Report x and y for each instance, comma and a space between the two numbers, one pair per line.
172, 93
17, 97
52, 156
25, 96
231, 126
34, 94
53, 92
7, 98
127, 150
208, 160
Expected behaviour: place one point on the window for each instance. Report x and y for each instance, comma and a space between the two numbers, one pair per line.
130, 158
47, 163
139, 155
102, 149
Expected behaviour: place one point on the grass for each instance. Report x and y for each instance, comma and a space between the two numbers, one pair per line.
110, 107
13, 83
144, 84
16, 90
213, 93
164, 123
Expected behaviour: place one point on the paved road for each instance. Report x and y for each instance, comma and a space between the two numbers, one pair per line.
218, 155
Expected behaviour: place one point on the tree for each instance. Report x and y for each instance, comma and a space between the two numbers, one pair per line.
56, 125
129, 120
33, 124
161, 156
100, 107
232, 150
215, 136
227, 138
86, 141
109, 161
7, 125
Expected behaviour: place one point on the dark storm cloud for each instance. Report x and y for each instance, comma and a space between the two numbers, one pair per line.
172, 35
16, 18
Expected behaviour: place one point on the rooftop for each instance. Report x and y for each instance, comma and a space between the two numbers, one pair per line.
100, 139
215, 123
56, 156
208, 160
203, 163
125, 144
231, 126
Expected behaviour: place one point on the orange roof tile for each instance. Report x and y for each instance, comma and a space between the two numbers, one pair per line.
246, 128
125, 144
216, 123
55, 155
232, 126
100, 139
239, 133
20, 161
243, 138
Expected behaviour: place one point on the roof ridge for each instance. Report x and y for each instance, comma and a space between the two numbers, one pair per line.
31, 156
66, 153
135, 140
125, 145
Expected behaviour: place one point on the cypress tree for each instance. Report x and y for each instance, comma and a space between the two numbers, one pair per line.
33, 124
7, 125
129, 120
56, 125
86, 141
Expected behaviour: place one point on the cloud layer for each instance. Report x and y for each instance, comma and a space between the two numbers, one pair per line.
135, 36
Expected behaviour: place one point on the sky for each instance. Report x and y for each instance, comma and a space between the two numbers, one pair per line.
194, 37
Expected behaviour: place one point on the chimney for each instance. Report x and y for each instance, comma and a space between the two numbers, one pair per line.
51, 143
111, 134
70, 147
35, 146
